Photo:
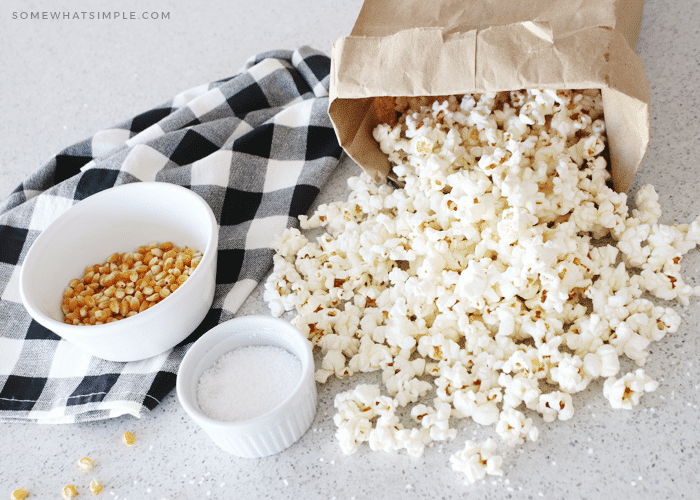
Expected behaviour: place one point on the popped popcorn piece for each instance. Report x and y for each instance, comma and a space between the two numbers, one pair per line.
520, 389
435, 420
412, 440
514, 427
556, 404
477, 460
626, 392
505, 273
356, 409
481, 406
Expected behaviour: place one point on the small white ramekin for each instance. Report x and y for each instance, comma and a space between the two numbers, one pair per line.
273, 431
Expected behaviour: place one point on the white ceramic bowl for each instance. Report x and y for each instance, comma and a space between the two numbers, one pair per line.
273, 431
120, 219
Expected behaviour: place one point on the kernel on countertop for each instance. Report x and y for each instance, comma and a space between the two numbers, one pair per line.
19, 494
129, 438
69, 492
95, 487
85, 464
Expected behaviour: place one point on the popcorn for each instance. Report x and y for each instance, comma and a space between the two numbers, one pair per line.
569, 374
514, 427
435, 420
556, 404
505, 274
477, 460
356, 409
481, 406
519, 389
626, 392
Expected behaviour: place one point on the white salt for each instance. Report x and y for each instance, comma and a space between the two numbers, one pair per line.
247, 382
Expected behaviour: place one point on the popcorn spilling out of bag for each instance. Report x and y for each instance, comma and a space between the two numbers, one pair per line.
501, 278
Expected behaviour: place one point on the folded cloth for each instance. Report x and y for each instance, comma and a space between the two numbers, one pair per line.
257, 147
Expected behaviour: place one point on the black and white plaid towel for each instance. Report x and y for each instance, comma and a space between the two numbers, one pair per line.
257, 146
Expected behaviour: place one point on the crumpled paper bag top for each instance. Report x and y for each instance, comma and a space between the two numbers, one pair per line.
414, 48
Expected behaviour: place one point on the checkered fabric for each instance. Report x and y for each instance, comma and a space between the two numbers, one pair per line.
257, 147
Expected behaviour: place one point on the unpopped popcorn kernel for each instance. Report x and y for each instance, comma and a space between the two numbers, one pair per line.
19, 494
128, 438
126, 283
85, 464
69, 492
95, 487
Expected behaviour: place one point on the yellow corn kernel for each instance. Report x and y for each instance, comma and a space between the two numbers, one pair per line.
19, 494
85, 464
114, 306
128, 438
134, 304
149, 275
124, 307
95, 487
69, 492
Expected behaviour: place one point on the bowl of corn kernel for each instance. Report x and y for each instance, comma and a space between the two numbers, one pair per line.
125, 274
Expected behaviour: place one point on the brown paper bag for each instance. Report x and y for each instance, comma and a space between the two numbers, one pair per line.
443, 47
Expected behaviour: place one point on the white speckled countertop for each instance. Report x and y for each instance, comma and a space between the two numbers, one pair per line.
62, 81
